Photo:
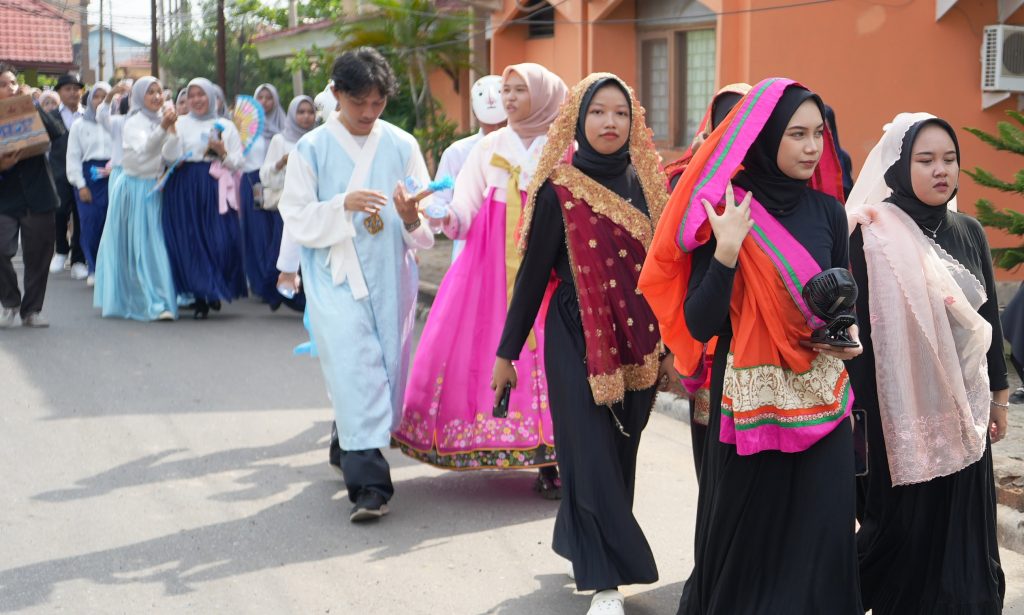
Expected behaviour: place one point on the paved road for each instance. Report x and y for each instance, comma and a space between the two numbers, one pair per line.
180, 467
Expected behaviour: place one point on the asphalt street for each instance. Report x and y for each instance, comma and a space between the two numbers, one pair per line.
181, 467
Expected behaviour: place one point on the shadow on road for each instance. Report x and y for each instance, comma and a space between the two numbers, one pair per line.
555, 596
87, 366
265, 479
184, 560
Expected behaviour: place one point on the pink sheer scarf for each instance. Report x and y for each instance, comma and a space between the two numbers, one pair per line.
547, 93
930, 343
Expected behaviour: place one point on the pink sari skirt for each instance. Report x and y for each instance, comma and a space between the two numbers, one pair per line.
447, 418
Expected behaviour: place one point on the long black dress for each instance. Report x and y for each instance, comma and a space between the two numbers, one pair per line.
775, 531
595, 528
928, 548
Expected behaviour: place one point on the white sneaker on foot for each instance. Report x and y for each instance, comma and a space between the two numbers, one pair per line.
90, 281
34, 320
79, 271
608, 602
165, 315
57, 263
7, 317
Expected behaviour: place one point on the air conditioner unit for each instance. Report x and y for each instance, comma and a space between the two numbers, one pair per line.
1002, 59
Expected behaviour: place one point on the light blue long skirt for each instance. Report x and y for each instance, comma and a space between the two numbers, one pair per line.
133, 272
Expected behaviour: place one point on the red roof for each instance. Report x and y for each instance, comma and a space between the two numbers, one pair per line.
36, 35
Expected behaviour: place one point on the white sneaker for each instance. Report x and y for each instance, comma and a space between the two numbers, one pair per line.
7, 317
608, 602
165, 315
57, 263
91, 280
79, 271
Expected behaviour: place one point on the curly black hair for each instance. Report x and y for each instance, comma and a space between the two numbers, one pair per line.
8, 68
358, 71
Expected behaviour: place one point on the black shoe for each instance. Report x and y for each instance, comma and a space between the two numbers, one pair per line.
202, 309
215, 305
370, 506
334, 453
548, 485
1018, 396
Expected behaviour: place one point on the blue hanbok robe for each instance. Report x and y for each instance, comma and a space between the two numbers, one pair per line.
360, 288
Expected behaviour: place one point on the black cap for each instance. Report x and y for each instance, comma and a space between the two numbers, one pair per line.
68, 79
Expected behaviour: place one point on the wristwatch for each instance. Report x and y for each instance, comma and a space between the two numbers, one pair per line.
412, 226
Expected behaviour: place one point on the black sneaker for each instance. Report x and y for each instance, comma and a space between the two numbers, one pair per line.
370, 506
334, 453
1018, 396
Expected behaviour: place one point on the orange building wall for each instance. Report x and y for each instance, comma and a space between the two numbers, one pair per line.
870, 61
456, 104
578, 48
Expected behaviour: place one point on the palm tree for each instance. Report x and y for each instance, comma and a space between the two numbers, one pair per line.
417, 38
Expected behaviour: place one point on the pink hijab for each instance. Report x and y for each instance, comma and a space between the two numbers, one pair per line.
547, 93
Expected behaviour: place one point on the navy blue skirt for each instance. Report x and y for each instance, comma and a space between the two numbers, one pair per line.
93, 215
204, 246
261, 233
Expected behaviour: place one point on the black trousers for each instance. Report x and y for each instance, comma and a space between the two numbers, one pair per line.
36, 232
366, 470
68, 212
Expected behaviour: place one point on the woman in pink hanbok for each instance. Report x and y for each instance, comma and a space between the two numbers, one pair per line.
448, 419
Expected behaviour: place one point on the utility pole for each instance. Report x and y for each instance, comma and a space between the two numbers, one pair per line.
99, 77
154, 43
113, 60
222, 62
84, 48
293, 20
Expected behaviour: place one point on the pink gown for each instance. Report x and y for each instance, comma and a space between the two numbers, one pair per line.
447, 418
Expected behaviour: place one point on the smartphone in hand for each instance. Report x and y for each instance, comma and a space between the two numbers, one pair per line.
501, 408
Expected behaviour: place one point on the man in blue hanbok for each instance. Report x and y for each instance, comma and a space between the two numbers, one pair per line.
358, 265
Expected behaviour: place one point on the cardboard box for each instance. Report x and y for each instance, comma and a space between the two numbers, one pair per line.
21, 128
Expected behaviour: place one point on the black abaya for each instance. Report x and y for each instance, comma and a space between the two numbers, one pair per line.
595, 528
928, 548
775, 531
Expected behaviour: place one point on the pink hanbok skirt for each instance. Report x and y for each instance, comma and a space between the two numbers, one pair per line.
447, 418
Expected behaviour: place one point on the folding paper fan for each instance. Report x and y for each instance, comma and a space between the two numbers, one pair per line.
161, 182
249, 118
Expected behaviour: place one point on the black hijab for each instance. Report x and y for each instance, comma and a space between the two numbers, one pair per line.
897, 177
844, 157
779, 193
721, 106
586, 158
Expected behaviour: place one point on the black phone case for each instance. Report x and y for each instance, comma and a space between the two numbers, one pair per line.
501, 408
860, 442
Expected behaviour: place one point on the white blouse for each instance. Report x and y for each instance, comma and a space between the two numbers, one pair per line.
193, 137
478, 176
86, 141
115, 126
271, 177
142, 142
257, 154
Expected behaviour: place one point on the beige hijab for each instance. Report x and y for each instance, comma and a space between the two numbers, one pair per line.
547, 93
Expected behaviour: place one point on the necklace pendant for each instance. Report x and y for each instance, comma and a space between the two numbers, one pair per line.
373, 224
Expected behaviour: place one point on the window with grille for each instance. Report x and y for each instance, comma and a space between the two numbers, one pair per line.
677, 81
540, 22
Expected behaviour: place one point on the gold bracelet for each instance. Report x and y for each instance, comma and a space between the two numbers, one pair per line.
999, 405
